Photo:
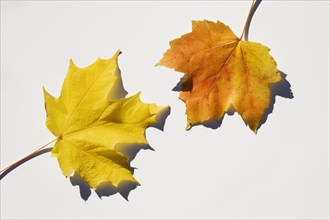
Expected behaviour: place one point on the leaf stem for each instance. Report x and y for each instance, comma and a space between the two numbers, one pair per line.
246, 32
252, 10
27, 156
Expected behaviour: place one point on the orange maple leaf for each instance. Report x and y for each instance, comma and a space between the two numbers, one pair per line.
221, 71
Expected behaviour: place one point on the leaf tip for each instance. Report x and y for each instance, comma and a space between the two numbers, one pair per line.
160, 62
46, 93
118, 52
138, 95
71, 62
254, 128
188, 126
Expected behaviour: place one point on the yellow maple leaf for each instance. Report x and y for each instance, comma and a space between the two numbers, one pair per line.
91, 117
221, 71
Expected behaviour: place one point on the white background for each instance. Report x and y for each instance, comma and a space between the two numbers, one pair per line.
282, 172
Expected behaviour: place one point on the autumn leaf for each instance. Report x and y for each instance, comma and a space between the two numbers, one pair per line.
221, 72
91, 117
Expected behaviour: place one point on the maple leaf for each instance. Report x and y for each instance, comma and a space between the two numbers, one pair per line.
91, 117
221, 72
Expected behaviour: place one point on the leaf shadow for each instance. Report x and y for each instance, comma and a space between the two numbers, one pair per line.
130, 150
104, 189
281, 89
